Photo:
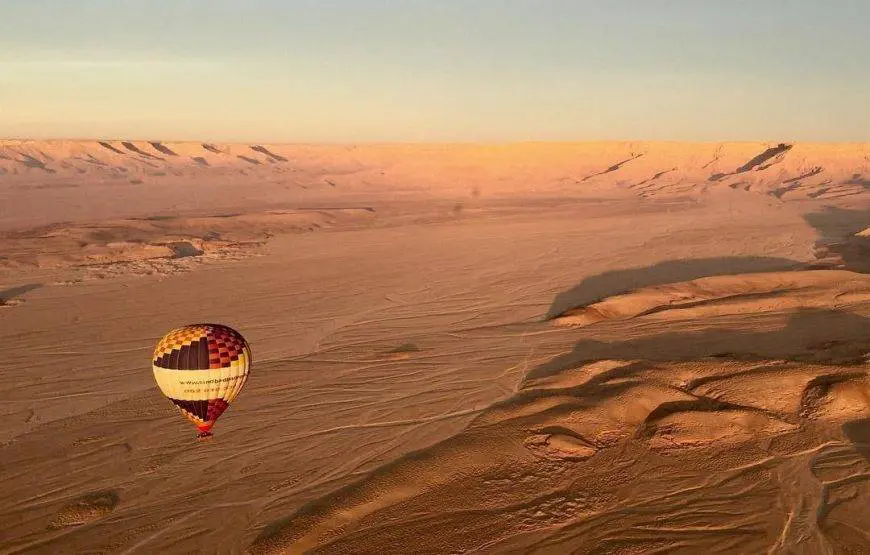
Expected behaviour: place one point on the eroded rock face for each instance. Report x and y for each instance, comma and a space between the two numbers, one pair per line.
160, 245
780, 171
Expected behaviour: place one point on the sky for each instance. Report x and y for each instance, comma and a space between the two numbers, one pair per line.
340, 71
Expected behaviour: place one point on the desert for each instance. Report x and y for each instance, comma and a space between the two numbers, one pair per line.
525, 347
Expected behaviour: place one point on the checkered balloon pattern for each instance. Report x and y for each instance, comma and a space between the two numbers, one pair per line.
201, 368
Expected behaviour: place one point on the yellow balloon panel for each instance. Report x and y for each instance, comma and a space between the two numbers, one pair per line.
201, 385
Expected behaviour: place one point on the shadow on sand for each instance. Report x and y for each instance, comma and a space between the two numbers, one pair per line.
858, 432
837, 228
8, 294
608, 284
810, 335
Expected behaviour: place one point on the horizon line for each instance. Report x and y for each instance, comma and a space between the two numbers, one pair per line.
431, 143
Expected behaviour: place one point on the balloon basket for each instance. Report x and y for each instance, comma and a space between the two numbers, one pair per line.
202, 436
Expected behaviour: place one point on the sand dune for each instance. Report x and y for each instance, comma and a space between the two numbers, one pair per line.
719, 295
542, 348
630, 454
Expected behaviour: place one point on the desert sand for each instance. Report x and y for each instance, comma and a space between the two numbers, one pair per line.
518, 348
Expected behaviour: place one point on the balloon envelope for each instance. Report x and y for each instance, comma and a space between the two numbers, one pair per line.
202, 368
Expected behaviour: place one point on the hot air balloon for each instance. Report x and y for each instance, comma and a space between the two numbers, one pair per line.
201, 368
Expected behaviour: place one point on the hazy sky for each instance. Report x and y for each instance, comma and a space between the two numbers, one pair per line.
436, 70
